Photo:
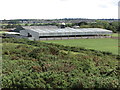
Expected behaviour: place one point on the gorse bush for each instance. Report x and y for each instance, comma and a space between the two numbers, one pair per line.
34, 64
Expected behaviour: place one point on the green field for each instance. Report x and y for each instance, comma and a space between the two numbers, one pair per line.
115, 35
106, 44
1, 32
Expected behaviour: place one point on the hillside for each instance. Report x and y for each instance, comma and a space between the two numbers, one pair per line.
35, 64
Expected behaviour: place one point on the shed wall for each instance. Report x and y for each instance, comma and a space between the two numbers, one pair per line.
36, 33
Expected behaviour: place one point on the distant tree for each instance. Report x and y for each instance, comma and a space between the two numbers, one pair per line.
85, 26
82, 23
114, 26
105, 24
11, 24
26, 24
18, 28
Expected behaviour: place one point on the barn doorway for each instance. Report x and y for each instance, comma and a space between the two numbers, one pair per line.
29, 35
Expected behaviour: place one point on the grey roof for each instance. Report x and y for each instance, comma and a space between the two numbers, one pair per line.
40, 27
53, 30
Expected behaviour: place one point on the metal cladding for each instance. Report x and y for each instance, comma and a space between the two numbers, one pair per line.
42, 31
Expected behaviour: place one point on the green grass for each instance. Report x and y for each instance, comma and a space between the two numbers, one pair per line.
1, 32
115, 35
110, 45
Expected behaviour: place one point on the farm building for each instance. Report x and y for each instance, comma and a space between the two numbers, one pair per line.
40, 32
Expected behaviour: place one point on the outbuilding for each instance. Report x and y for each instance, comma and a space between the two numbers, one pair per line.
39, 32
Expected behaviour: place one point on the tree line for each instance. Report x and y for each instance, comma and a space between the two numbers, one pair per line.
114, 26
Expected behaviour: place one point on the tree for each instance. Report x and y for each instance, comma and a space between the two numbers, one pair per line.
82, 23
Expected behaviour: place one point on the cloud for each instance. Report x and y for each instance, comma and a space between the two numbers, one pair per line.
63, 0
103, 6
43, 9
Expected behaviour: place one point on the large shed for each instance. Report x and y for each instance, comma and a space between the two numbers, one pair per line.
38, 32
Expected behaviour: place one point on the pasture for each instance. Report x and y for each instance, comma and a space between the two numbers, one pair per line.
104, 44
1, 32
115, 35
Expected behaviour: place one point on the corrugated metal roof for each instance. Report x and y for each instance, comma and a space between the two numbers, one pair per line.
54, 31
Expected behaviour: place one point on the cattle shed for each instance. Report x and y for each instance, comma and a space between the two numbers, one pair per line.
38, 32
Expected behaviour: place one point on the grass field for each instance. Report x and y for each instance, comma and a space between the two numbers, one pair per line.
115, 35
106, 44
2, 32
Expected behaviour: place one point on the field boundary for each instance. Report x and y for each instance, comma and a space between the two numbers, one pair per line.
84, 37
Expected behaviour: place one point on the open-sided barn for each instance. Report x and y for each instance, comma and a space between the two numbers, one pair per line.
38, 32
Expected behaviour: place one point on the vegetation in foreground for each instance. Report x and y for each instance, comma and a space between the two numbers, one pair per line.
104, 44
34, 64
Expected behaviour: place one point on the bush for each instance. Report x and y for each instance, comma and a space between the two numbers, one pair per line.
34, 64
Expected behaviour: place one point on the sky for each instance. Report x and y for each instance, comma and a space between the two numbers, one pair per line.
57, 9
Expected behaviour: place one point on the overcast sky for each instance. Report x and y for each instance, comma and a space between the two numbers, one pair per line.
53, 9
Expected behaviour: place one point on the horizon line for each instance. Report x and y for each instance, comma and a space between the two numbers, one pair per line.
62, 18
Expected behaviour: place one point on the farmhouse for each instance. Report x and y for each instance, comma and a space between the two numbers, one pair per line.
41, 32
